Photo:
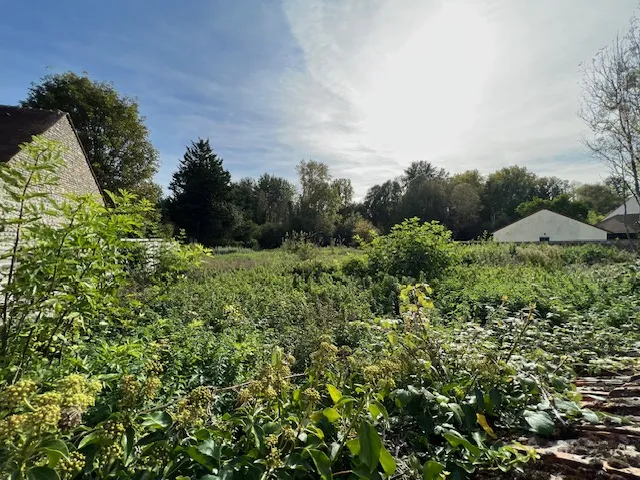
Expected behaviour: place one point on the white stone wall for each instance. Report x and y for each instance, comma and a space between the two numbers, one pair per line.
556, 227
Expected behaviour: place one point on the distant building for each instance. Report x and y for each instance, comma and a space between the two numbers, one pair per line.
18, 125
548, 226
620, 224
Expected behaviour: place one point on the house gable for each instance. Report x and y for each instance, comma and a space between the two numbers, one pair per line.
18, 125
550, 226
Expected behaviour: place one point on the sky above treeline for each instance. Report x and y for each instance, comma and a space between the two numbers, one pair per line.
366, 86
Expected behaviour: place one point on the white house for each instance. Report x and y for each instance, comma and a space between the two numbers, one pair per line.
548, 226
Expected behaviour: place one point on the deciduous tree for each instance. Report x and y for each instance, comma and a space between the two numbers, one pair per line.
109, 125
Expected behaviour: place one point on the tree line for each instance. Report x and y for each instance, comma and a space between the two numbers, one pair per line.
213, 210
206, 206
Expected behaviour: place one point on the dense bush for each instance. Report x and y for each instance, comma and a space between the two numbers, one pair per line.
552, 256
412, 249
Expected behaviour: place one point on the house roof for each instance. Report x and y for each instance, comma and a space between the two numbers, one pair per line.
19, 124
629, 202
616, 223
552, 212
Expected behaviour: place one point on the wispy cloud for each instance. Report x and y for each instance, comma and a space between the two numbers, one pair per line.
462, 83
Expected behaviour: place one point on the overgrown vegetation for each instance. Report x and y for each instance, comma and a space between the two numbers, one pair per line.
413, 357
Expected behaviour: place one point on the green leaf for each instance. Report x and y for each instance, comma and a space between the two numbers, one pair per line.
129, 440
381, 409
331, 414
322, 463
294, 461
370, 445
43, 473
90, 439
566, 405
361, 471
209, 447
374, 411
539, 422
334, 393
456, 440
157, 420
354, 446
199, 457
54, 449
432, 470
387, 461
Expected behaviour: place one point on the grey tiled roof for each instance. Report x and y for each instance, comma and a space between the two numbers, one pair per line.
18, 125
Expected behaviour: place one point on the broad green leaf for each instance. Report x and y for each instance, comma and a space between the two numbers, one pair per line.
382, 409
43, 473
128, 442
566, 405
209, 447
322, 463
157, 420
54, 449
331, 414
199, 457
432, 470
370, 445
354, 446
334, 393
294, 461
387, 461
362, 471
539, 422
90, 439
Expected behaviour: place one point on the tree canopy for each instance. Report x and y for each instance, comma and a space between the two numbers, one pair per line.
109, 125
201, 190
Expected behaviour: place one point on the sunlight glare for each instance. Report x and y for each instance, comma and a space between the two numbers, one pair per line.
423, 97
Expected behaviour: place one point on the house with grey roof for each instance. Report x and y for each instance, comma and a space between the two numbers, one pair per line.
623, 221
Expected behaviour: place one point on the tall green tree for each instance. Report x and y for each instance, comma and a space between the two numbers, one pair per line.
423, 169
504, 190
201, 202
561, 204
427, 199
275, 196
109, 125
600, 197
381, 204
321, 199
464, 209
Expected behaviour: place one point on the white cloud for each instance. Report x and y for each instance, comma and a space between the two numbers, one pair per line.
462, 83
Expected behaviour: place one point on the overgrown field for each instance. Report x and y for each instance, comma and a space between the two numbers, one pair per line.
313, 363
412, 357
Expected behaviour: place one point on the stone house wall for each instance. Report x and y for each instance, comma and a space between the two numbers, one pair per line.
75, 177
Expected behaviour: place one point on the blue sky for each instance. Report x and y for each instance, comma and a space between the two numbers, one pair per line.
366, 86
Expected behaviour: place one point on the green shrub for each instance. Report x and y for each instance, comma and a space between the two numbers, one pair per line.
412, 249
271, 235
301, 244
